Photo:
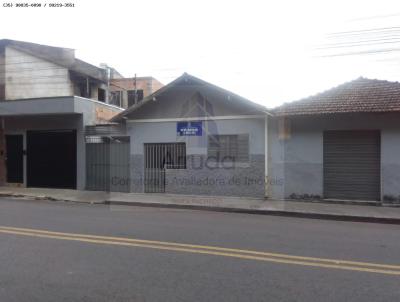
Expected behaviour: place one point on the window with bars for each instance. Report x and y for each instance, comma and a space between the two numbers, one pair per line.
165, 155
134, 97
116, 98
101, 95
227, 148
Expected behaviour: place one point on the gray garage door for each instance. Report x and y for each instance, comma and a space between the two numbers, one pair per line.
352, 165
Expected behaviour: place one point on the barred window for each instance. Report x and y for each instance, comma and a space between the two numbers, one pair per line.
165, 155
116, 98
229, 147
134, 97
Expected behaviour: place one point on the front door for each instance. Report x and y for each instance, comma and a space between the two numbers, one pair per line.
158, 157
15, 158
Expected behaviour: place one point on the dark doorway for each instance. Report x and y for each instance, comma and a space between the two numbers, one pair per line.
51, 159
15, 158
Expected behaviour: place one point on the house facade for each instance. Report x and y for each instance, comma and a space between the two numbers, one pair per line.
192, 137
342, 144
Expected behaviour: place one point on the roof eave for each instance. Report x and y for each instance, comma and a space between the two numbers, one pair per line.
288, 114
123, 114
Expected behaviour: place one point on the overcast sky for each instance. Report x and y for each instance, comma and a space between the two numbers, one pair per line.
262, 50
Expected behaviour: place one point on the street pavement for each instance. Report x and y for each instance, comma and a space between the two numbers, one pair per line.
58, 251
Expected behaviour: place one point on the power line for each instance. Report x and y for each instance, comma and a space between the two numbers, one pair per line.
375, 17
367, 52
370, 41
375, 39
365, 31
355, 44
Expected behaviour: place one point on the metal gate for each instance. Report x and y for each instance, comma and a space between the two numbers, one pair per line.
157, 158
107, 163
352, 165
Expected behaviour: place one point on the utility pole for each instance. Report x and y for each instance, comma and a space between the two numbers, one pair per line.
108, 84
135, 86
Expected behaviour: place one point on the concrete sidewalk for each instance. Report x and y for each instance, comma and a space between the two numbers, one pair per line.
223, 204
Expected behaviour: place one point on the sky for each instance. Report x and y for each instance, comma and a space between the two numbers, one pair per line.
266, 51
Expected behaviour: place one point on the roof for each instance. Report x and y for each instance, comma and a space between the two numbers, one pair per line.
183, 79
59, 55
360, 95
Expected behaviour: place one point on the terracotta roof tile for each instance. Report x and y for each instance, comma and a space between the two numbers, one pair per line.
360, 95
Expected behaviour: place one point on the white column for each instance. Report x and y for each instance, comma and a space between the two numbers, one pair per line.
266, 155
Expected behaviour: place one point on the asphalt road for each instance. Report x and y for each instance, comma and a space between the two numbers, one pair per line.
37, 264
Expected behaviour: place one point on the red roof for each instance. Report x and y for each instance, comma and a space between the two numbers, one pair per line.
360, 95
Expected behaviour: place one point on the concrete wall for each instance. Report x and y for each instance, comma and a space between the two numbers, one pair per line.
94, 112
27, 76
240, 179
296, 164
155, 85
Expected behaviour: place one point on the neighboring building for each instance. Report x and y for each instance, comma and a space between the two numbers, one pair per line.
36, 71
343, 143
192, 137
47, 97
126, 92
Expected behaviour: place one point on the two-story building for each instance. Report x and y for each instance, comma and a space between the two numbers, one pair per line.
47, 97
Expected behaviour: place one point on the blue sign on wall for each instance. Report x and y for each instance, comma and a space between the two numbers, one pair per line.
189, 128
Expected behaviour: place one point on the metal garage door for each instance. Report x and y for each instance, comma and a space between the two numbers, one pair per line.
352, 165
51, 159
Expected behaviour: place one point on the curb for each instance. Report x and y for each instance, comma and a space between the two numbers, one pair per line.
336, 217
47, 198
310, 215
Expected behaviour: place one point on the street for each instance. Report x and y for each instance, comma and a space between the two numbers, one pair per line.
57, 251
